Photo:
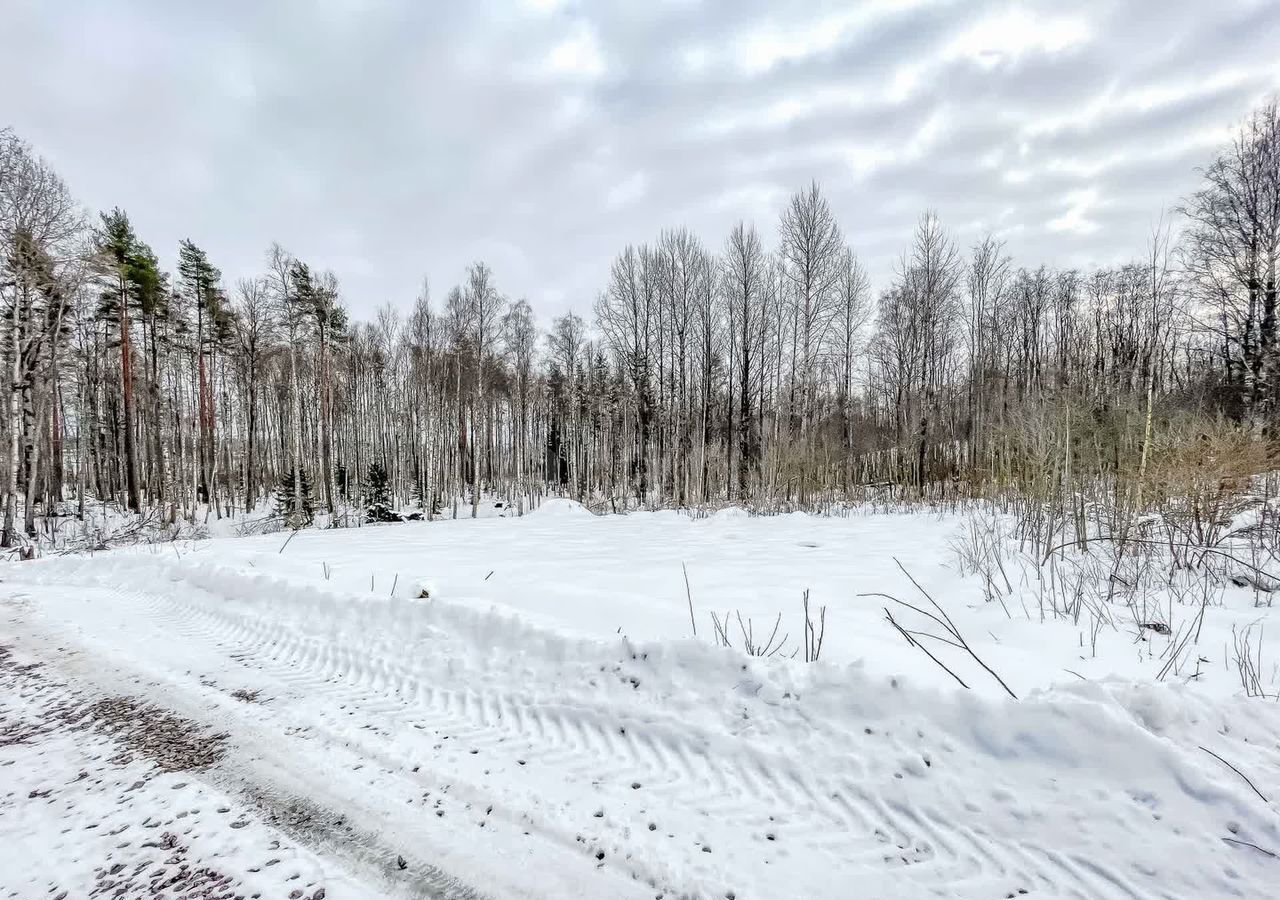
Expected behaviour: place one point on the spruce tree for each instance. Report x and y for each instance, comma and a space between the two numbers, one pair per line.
378, 496
303, 513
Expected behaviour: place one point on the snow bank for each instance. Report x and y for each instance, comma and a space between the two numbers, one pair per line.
561, 508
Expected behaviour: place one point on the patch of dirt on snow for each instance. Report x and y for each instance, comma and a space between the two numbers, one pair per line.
320, 827
171, 877
16, 730
116, 822
173, 743
110, 776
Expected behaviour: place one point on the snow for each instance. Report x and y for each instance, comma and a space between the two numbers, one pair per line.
546, 724
131, 826
560, 508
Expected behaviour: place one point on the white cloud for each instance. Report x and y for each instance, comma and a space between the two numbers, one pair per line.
578, 55
696, 60
1013, 33
761, 48
544, 7
628, 191
1075, 219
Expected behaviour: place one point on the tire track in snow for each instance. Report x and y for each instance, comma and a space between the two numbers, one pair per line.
694, 771
918, 841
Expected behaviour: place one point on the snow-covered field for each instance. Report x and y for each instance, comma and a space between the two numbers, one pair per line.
520, 708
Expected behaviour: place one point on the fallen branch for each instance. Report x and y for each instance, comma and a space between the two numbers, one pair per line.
1270, 853
1237, 771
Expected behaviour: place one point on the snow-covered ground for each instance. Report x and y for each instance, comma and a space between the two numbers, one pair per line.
520, 708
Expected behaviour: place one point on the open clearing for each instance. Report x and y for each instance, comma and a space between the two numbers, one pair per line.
243, 718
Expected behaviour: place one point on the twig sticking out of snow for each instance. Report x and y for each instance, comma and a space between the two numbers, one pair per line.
689, 596
721, 636
1179, 644
955, 640
813, 638
768, 648
1248, 661
914, 643
813, 634
771, 647
1237, 771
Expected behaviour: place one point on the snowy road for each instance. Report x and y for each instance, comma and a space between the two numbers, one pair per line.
400, 747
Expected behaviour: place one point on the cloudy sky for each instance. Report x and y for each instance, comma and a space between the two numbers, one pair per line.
393, 140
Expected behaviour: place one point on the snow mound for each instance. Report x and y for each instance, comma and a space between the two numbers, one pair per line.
561, 508
730, 514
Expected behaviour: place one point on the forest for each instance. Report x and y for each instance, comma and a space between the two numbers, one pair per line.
760, 367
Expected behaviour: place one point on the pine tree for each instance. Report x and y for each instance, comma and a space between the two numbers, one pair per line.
378, 497
295, 515
132, 278
201, 281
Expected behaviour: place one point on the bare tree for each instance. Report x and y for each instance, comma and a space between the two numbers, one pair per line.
811, 248
39, 272
485, 305
917, 332
986, 280
744, 282
520, 336
626, 314
1231, 251
853, 292
255, 322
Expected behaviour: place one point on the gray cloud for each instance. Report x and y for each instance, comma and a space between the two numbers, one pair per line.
393, 140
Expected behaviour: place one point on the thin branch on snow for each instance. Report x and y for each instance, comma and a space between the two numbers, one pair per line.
689, 596
923, 649
1270, 853
1237, 771
943, 621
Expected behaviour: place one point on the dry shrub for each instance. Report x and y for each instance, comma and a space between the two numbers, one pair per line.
1198, 478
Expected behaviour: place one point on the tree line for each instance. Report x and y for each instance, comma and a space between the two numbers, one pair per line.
761, 366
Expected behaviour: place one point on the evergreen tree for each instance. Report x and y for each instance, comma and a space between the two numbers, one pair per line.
131, 279
201, 281
378, 497
295, 514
